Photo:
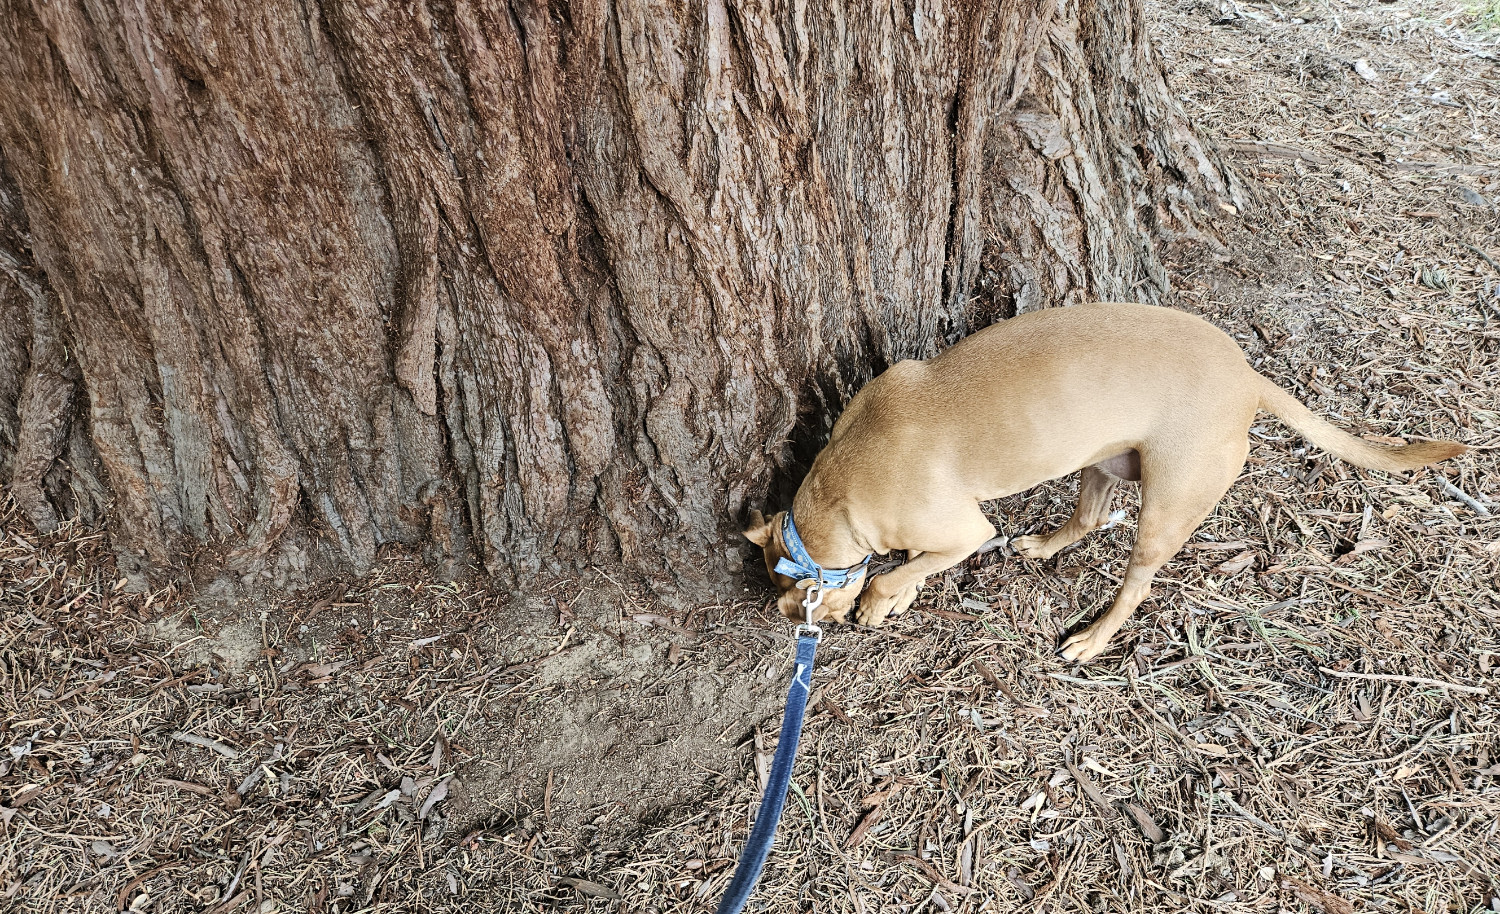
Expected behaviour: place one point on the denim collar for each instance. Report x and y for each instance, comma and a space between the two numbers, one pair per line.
799, 566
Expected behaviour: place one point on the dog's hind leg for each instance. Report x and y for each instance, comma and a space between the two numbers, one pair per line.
1176, 495
1095, 486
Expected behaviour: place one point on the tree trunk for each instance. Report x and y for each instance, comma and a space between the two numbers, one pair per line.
288, 281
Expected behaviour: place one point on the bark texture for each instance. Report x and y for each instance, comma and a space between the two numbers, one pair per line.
522, 281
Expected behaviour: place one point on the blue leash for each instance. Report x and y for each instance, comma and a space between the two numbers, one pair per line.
753, 860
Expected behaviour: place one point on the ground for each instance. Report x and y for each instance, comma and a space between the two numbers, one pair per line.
1303, 717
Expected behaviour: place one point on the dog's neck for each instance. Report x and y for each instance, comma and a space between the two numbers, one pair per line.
823, 524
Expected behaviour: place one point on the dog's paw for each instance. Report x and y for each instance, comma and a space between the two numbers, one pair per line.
905, 599
1033, 547
874, 606
872, 612
1086, 645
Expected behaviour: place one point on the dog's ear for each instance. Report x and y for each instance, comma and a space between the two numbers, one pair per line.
759, 531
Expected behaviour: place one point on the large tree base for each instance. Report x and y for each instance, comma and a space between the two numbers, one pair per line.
538, 284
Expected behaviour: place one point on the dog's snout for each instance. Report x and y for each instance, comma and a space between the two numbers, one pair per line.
791, 607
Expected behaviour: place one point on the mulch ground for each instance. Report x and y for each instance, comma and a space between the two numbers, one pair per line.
1304, 717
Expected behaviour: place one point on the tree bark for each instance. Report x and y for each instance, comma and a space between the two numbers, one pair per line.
290, 280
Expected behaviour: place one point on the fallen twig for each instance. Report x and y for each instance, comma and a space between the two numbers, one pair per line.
1413, 680
1281, 150
206, 743
1465, 497
1487, 259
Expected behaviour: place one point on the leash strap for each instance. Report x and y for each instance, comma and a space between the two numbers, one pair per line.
758, 847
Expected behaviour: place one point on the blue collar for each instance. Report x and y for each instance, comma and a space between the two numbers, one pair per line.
799, 566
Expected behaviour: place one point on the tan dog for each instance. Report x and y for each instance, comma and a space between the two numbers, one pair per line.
1120, 391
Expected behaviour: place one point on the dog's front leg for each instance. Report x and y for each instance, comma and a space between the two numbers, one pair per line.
892, 593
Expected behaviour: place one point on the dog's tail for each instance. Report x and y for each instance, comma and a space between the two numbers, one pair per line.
1345, 446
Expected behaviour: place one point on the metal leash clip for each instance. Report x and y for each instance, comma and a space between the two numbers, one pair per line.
811, 600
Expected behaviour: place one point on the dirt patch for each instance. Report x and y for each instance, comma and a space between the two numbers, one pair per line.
278, 752
1302, 717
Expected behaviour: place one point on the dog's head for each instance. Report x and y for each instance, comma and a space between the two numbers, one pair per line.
765, 532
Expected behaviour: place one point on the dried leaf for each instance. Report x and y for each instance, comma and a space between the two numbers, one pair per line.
1147, 825
1387, 632
1323, 901
1238, 563
586, 887
875, 803
1389, 835
28, 793
322, 672
390, 797
1206, 546
832, 707
932, 873
866, 823
1090, 789
660, 621
1472, 198
950, 614
438, 794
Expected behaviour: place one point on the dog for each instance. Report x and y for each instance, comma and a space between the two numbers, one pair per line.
1118, 391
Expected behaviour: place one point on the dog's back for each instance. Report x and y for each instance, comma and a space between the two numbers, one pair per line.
1048, 392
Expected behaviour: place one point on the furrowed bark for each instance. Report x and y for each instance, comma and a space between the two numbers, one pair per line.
537, 283
36, 378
